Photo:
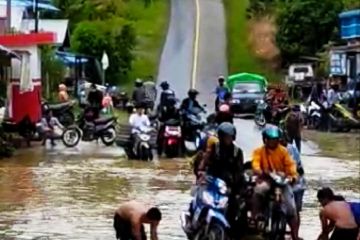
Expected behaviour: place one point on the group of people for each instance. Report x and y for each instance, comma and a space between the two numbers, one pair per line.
220, 157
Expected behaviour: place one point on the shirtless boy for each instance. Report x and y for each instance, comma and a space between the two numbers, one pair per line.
130, 217
336, 216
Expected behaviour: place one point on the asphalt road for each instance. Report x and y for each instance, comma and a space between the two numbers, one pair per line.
177, 57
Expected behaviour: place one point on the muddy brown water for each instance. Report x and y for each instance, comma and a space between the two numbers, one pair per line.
71, 194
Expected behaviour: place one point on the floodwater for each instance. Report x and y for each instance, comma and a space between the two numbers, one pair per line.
63, 193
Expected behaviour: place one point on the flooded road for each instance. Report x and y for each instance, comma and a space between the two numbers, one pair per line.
71, 194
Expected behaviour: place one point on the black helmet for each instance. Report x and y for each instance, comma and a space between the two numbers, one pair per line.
271, 132
226, 129
138, 82
164, 85
193, 92
221, 79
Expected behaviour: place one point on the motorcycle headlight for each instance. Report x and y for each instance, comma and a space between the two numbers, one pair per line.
259, 101
207, 198
144, 137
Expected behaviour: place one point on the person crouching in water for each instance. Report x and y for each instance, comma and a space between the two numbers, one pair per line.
48, 124
336, 216
130, 218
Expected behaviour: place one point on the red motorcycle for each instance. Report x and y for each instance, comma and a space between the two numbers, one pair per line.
172, 139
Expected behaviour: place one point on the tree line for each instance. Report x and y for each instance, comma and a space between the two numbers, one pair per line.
304, 27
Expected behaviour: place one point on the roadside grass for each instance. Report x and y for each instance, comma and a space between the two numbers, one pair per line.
338, 145
240, 56
151, 27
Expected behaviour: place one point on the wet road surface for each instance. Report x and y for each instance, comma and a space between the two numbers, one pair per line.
72, 193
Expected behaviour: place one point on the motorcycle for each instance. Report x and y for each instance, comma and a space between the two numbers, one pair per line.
206, 218
260, 113
341, 119
89, 129
172, 139
62, 111
275, 225
314, 115
193, 126
140, 147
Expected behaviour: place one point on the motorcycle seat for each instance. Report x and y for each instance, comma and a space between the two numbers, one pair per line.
58, 106
103, 120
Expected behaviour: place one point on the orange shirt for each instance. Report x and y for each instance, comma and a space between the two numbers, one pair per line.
279, 160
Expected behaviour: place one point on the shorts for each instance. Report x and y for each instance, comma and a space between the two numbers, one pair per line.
342, 234
298, 196
123, 229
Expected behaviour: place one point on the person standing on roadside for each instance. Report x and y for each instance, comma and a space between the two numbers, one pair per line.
336, 217
293, 126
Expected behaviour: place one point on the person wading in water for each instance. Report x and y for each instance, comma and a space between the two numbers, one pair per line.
130, 218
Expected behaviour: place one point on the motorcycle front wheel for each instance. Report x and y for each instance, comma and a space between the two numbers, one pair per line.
215, 232
108, 136
260, 119
71, 137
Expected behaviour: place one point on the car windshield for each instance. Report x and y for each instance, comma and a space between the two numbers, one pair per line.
247, 88
301, 70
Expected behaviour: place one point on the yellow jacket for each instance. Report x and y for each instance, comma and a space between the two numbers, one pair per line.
279, 160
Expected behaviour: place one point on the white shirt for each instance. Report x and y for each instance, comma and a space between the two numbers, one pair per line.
138, 121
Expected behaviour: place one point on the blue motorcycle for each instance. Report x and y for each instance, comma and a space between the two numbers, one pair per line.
205, 219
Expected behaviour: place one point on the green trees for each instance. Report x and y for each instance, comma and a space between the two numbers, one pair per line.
304, 26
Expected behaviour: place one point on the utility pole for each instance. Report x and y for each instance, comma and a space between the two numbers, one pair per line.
8, 15
36, 11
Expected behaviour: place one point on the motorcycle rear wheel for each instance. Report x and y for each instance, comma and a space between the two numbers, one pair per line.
71, 137
109, 136
215, 232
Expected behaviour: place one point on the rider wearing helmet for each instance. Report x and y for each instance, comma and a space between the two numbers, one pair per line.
225, 160
166, 94
191, 101
220, 92
273, 157
224, 113
138, 95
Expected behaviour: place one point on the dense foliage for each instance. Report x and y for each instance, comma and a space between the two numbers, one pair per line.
304, 26
99, 26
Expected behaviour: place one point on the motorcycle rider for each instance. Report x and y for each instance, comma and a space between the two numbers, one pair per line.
272, 157
225, 160
138, 94
191, 102
137, 121
165, 94
300, 185
220, 92
170, 113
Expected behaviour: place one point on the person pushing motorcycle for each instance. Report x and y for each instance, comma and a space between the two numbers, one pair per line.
273, 157
224, 160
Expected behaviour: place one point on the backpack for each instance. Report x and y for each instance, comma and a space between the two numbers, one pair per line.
355, 209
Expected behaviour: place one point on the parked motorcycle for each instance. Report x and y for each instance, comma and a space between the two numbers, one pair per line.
206, 218
89, 129
141, 147
172, 139
342, 119
62, 111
